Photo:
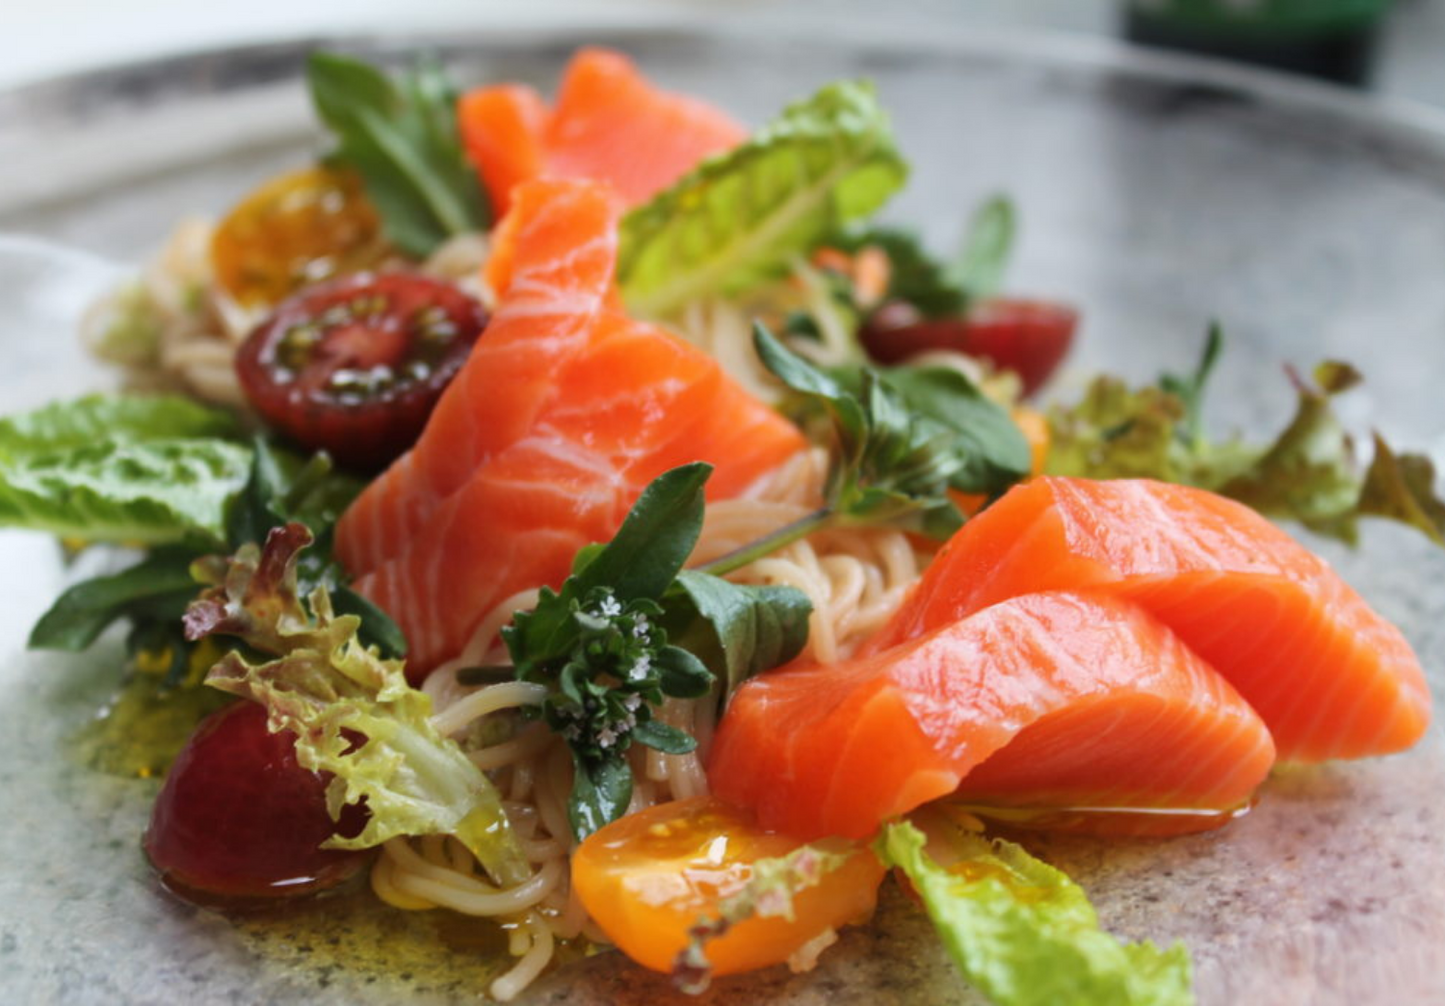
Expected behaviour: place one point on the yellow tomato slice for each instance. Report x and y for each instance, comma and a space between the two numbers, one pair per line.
649, 877
295, 229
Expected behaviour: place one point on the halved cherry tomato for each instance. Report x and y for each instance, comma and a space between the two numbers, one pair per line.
239, 819
1029, 337
356, 365
649, 877
298, 228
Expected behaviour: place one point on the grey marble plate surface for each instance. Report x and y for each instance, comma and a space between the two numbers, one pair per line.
1155, 194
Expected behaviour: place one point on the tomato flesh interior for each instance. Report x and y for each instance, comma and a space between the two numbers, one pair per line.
649, 877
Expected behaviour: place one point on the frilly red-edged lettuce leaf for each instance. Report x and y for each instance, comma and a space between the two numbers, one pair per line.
353, 713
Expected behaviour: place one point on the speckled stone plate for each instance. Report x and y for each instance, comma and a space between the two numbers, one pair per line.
1155, 194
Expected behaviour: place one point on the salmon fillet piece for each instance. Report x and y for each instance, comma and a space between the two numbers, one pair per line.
1330, 677
1054, 699
555, 430
561, 249
609, 124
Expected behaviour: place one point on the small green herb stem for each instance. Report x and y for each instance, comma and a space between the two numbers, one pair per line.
769, 543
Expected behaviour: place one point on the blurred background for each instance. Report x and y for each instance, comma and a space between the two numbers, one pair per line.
1397, 48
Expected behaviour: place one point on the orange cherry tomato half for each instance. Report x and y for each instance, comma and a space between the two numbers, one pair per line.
649, 877
294, 230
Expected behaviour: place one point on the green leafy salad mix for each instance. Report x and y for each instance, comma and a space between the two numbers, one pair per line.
230, 525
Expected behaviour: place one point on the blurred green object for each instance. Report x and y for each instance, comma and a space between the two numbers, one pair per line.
1333, 39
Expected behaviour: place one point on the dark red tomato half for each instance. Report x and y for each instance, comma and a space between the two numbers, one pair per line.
238, 820
354, 366
1029, 337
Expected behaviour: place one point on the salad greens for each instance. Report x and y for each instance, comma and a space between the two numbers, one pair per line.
904, 439
1309, 473
737, 630
402, 138
220, 492
934, 288
121, 469
601, 643
352, 712
1025, 934
986, 249
739, 218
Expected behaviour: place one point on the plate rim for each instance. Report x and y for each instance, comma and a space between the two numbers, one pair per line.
1364, 109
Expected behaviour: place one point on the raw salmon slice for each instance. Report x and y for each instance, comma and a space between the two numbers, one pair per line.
502, 129
559, 248
1049, 700
610, 124
638, 403
1331, 677
547, 436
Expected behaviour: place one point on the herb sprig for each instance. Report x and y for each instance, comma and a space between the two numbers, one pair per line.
402, 137
602, 644
903, 439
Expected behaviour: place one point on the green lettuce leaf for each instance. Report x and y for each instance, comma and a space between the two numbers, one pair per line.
327, 688
151, 493
148, 470
1025, 934
739, 218
1310, 473
62, 426
402, 138
1401, 487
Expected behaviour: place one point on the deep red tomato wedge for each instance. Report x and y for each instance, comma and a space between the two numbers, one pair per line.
355, 366
1029, 337
239, 820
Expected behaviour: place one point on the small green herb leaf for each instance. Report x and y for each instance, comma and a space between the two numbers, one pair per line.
601, 648
664, 738
402, 139
986, 249
994, 451
740, 630
640, 562
600, 793
157, 588
893, 465
1190, 390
